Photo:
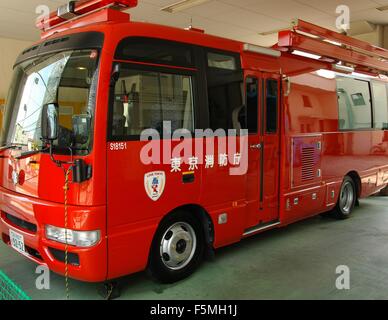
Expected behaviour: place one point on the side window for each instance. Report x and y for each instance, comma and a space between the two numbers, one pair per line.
380, 105
354, 100
155, 51
221, 61
271, 106
144, 99
252, 96
225, 82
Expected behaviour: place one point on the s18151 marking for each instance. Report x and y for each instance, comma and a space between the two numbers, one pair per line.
117, 146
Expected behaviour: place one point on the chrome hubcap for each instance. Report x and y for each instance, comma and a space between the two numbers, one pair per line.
347, 197
178, 246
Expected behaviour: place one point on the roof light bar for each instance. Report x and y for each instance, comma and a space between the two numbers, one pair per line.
67, 11
79, 8
261, 50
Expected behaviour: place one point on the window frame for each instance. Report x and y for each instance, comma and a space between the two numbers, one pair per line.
257, 103
265, 106
371, 84
179, 45
199, 72
236, 56
371, 102
152, 68
209, 72
235, 61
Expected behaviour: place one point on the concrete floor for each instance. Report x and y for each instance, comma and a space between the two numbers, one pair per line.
297, 262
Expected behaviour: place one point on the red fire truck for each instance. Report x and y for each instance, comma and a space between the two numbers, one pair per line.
74, 193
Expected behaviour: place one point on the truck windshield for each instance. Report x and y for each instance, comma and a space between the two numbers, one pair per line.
68, 79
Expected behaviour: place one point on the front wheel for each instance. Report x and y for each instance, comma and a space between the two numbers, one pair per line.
347, 199
177, 248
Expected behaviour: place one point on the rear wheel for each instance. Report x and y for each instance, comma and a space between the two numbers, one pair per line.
177, 248
347, 199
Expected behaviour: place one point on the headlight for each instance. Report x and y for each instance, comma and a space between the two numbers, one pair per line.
82, 239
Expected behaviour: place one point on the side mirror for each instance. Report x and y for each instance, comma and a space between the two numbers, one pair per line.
49, 124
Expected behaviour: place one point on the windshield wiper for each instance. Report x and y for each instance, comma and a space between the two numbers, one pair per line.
12, 146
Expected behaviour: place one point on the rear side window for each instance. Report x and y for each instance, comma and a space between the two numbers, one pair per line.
380, 105
155, 51
354, 100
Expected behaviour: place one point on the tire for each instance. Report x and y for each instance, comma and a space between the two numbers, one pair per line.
177, 249
347, 199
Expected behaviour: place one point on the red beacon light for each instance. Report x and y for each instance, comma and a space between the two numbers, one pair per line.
76, 9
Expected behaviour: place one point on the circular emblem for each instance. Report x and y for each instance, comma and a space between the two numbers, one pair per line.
15, 177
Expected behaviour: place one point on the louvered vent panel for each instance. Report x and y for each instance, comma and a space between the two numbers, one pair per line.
308, 163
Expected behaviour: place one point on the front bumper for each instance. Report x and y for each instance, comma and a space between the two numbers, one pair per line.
28, 217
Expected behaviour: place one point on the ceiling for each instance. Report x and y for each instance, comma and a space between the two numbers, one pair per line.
243, 20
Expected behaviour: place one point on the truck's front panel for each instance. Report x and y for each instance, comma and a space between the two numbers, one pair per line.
63, 71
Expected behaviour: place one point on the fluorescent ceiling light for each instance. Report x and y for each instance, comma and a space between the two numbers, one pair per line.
271, 32
306, 55
183, 5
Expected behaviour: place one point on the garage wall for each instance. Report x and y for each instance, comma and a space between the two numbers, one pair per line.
9, 50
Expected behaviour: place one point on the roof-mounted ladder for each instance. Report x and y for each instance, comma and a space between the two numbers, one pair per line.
334, 47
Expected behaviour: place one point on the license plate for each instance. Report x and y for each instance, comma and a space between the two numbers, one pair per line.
17, 241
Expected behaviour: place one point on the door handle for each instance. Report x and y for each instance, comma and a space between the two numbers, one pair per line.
256, 146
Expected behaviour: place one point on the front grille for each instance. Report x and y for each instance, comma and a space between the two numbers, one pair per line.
59, 255
27, 226
31, 251
34, 253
